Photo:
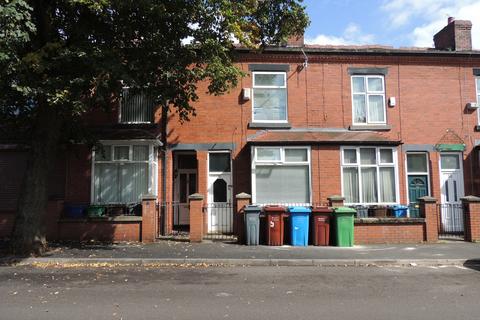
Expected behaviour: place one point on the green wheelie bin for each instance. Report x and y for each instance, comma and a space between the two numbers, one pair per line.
344, 226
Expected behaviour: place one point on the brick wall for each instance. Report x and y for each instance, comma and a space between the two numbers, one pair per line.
100, 231
388, 233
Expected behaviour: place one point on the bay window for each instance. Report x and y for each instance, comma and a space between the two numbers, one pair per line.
369, 175
269, 103
123, 172
281, 175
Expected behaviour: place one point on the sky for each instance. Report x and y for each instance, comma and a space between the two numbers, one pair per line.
398, 23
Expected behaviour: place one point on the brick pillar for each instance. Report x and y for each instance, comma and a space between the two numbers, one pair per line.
149, 218
243, 200
196, 217
471, 209
335, 201
54, 213
428, 210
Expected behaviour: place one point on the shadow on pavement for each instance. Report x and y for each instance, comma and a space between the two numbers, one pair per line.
473, 264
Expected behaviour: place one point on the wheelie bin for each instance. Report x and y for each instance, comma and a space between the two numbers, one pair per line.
274, 225
344, 217
320, 226
299, 221
252, 225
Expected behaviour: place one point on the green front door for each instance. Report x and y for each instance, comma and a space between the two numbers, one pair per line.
417, 188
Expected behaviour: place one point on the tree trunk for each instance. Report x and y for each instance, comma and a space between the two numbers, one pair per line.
29, 235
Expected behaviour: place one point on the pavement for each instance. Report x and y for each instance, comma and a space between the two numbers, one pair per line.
219, 253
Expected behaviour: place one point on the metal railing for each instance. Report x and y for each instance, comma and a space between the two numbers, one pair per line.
220, 221
450, 221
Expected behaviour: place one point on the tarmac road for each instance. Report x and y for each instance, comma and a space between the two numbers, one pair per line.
240, 293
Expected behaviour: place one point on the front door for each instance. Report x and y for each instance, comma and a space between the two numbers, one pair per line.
452, 189
220, 209
417, 188
185, 184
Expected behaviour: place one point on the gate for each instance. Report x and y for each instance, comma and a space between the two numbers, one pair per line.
450, 221
166, 209
219, 221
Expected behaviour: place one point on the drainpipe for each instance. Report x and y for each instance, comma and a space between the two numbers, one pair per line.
164, 147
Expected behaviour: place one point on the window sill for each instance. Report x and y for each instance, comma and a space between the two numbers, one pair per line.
269, 125
139, 125
369, 127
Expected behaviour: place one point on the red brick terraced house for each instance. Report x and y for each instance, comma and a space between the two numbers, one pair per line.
369, 126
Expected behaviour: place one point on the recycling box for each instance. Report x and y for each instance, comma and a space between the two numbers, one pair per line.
400, 211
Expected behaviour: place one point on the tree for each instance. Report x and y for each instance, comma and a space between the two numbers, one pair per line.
60, 59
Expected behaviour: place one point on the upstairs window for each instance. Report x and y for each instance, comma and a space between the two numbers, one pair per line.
368, 99
136, 107
269, 101
478, 89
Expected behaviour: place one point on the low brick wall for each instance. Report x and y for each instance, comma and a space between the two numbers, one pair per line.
123, 228
389, 230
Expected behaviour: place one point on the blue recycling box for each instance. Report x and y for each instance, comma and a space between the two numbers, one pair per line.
299, 222
400, 211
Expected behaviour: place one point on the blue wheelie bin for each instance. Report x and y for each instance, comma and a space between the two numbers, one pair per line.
299, 222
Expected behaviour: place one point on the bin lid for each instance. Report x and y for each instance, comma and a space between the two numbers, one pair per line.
299, 209
274, 209
345, 210
321, 210
252, 209
399, 207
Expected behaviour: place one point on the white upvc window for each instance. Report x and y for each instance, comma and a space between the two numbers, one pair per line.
368, 99
369, 175
269, 99
478, 89
136, 107
123, 171
477, 85
281, 175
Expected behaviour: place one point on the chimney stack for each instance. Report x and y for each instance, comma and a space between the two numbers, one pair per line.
296, 41
456, 36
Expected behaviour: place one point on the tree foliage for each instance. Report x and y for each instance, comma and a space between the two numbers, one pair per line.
72, 53
61, 58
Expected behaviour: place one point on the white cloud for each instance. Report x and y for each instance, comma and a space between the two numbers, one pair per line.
432, 15
352, 35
